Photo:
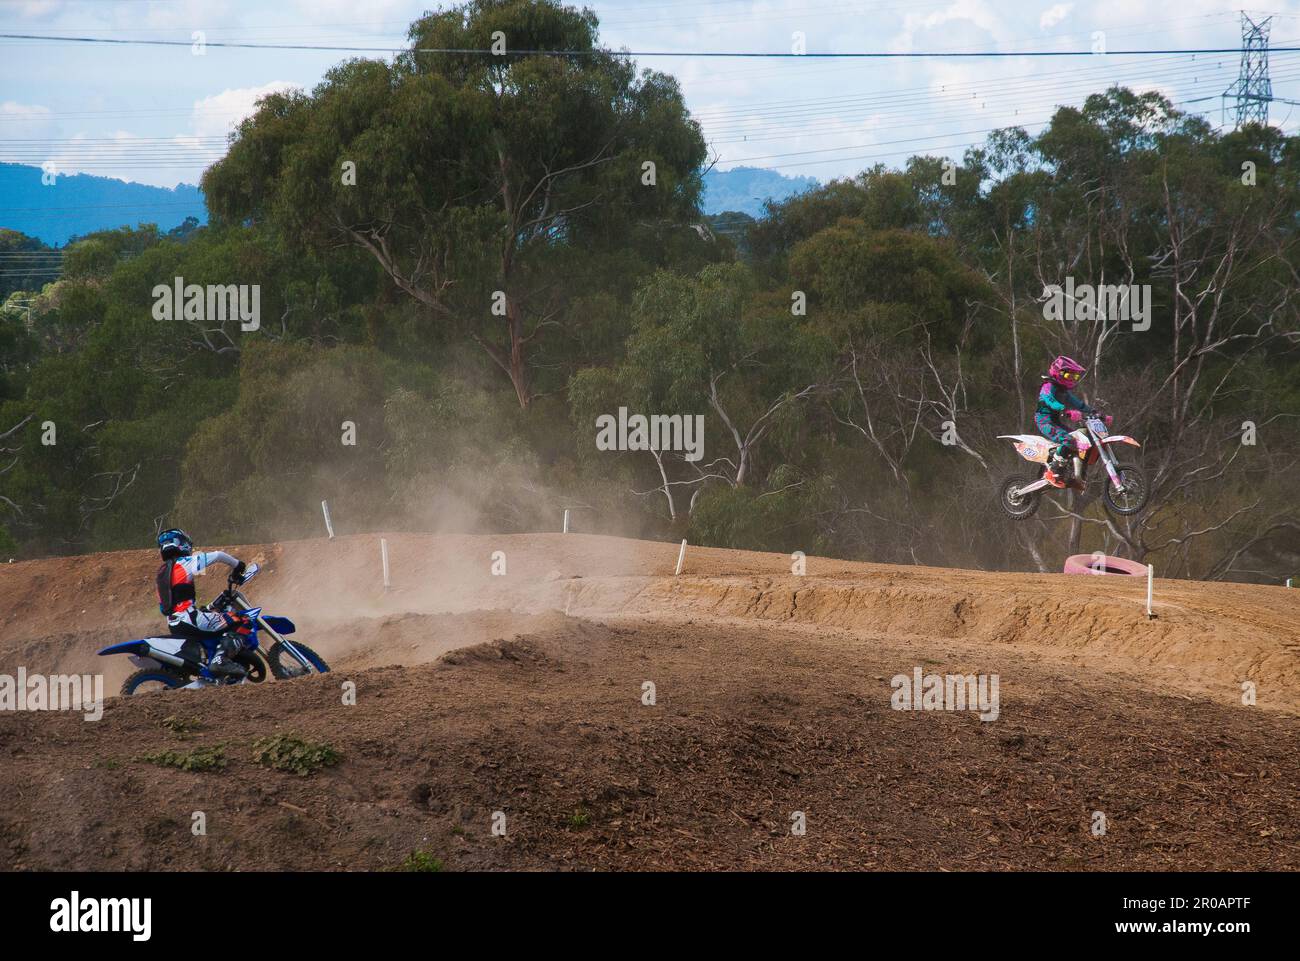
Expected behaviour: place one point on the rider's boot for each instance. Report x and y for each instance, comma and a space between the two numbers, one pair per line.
223, 665
1058, 468
1075, 481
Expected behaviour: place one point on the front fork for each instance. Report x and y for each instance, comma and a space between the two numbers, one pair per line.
1103, 451
284, 641
1107, 458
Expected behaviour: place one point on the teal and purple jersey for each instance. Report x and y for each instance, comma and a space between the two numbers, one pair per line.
1054, 400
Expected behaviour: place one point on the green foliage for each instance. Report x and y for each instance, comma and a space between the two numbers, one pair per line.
287, 420
771, 520
25, 263
828, 430
199, 759
421, 862
904, 280
181, 726
476, 175
577, 820
284, 752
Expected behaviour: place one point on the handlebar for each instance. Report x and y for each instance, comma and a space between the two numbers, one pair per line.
236, 579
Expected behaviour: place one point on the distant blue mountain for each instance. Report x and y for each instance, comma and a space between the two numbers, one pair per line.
745, 188
81, 204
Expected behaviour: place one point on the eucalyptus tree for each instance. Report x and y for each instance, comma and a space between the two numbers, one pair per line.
483, 169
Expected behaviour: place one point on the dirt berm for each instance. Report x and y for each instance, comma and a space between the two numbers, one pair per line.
528, 693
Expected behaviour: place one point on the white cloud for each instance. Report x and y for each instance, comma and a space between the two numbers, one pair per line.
22, 121
1164, 89
967, 19
183, 16
38, 9
371, 10
23, 111
125, 156
1054, 15
219, 114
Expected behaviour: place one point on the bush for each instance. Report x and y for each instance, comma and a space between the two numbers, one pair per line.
421, 862
292, 754
199, 759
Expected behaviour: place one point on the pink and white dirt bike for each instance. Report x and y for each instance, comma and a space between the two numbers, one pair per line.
1126, 486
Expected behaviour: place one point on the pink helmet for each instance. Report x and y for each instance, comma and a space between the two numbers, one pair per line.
1066, 372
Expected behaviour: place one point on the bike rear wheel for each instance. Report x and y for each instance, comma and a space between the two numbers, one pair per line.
1016, 506
152, 679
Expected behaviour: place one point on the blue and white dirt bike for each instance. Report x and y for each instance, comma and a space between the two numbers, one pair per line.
173, 661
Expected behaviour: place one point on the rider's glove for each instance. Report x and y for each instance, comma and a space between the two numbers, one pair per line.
237, 622
238, 573
1074, 415
1108, 419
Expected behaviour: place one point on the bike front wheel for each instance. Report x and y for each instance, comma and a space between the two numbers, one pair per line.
1133, 497
285, 666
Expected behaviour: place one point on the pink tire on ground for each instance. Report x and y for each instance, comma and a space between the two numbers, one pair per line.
1088, 564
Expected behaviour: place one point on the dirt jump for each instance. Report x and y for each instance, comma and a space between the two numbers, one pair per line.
583, 708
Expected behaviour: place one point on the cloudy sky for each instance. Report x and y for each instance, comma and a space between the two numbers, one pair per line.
159, 115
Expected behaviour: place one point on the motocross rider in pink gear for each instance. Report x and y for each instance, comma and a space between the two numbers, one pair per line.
1057, 408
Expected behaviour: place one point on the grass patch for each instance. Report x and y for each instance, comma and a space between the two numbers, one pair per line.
578, 819
286, 753
421, 862
182, 725
199, 759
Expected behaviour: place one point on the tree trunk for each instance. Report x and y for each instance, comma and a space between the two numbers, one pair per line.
518, 369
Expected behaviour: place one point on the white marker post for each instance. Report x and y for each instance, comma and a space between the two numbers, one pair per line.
566, 520
329, 527
681, 558
1151, 573
383, 553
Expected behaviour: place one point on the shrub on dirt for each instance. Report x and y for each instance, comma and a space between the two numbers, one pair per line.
199, 759
421, 862
181, 726
578, 819
286, 753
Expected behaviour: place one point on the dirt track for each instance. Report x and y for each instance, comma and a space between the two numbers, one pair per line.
773, 696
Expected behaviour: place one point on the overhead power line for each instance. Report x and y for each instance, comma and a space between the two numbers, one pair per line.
600, 52
830, 116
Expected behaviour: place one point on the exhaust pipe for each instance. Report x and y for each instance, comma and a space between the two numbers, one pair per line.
166, 658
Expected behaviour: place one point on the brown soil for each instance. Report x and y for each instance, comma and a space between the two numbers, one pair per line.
478, 694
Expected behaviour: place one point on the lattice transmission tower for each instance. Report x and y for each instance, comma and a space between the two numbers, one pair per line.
1252, 90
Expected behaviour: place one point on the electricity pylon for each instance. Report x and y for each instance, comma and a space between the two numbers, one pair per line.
1253, 90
